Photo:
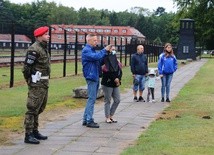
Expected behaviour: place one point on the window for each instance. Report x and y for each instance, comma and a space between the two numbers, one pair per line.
191, 25
60, 29
124, 31
59, 36
76, 29
81, 37
185, 49
17, 44
128, 38
23, 45
84, 30
99, 30
68, 36
91, 30
182, 25
116, 31
60, 46
4, 44
107, 30
68, 29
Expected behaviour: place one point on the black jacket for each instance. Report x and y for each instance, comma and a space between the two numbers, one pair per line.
111, 70
139, 64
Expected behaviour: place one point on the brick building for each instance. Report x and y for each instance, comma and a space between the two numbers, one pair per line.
106, 34
21, 41
114, 33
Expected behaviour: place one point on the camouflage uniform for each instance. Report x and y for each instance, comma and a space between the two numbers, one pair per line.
37, 59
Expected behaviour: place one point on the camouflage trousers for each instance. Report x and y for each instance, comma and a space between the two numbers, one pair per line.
36, 103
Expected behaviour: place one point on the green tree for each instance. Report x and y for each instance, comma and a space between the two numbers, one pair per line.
63, 15
90, 17
158, 41
159, 11
114, 20
104, 17
156, 24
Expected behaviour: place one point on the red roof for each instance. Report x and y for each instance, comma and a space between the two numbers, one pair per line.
18, 38
113, 31
103, 30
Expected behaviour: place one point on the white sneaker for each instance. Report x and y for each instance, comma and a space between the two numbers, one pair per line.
150, 101
153, 101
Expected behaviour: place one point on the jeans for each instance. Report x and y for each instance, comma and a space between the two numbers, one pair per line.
139, 82
109, 92
166, 82
93, 87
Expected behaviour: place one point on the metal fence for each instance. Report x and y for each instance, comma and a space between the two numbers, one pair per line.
11, 54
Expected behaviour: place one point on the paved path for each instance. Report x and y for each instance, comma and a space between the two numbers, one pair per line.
68, 136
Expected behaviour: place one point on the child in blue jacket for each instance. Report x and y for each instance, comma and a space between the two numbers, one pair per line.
167, 65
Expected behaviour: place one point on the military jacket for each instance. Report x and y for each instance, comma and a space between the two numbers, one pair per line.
37, 59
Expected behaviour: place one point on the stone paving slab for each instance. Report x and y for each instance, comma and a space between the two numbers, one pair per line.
68, 136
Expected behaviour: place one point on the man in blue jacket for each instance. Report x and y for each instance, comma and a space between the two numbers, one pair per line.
91, 70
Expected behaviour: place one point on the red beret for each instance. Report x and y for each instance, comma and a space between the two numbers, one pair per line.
40, 31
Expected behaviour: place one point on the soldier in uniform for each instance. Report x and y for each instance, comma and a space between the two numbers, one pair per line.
36, 72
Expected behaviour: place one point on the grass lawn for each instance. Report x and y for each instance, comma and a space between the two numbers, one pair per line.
56, 72
180, 129
207, 56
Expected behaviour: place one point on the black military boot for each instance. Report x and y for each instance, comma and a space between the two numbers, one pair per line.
29, 138
39, 136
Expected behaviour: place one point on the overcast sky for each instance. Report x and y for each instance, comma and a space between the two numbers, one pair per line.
112, 5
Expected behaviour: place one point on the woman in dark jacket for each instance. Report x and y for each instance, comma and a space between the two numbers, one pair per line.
111, 80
